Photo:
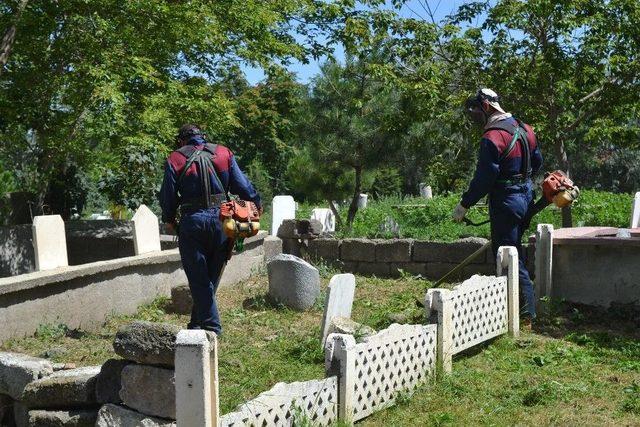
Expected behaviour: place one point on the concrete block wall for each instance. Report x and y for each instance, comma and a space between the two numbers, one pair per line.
385, 258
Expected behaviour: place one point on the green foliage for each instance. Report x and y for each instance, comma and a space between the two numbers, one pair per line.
431, 219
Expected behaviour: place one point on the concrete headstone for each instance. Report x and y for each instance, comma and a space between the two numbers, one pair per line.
146, 231
635, 212
282, 207
293, 282
149, 390
362, 201
147, 342
326, 218
425, 191
339, 301
18, 370
118, 416
49, 242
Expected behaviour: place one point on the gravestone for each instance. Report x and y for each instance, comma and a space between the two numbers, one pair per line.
293, 282
425, 191
146, 231
49, 242
326, 218
635, 212
282, 207
362, 201
339, 300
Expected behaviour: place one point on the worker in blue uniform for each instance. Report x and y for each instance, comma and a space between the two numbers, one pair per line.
508, 158
198, 177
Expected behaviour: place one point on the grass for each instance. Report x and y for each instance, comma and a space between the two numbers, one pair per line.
574, 369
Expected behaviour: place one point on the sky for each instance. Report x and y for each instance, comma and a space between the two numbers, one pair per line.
413, 8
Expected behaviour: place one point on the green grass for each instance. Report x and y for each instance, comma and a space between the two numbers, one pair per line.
574, 369
431, 219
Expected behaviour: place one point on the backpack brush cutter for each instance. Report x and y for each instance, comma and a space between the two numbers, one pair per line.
557, 188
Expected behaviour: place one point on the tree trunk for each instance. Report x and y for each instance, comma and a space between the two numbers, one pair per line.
9, 37
353, 207
561, 155
334, 209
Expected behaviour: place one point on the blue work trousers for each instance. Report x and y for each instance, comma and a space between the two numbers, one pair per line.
507, 208
203, 249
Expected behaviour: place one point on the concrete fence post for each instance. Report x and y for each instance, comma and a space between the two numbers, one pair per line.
635, 211
196, 379
443, 304
340, 358
544, 262
508, 258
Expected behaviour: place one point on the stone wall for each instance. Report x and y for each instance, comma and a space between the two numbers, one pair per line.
387, 258
83, 296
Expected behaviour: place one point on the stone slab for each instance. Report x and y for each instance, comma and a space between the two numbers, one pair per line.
293, 282
149, 390
413, 268
6, 410
282, 207
147, 342
325, 249
448, 252
396, 250
358, 250
326, 217
70, 418
117, 416
379, 269
339, 301
146, 231
272, 247
108, 383
49, 242
345, 325
18, 370
63, 389
181, 299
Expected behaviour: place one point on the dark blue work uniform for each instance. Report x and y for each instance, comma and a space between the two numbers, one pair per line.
202, 243
511, 195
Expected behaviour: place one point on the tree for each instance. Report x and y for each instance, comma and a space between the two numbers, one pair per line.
352, 126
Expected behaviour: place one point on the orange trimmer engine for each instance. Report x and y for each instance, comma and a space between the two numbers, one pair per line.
240, 219
558, 189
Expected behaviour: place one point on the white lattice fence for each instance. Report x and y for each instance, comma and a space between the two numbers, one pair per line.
289, 404
479, 311
397, 359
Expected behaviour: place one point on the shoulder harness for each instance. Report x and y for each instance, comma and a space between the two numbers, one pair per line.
204, 164
519, 133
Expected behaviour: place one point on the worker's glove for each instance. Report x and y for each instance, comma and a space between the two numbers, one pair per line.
458, 213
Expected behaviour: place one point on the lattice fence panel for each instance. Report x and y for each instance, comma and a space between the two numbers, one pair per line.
395, 360
480, 311
290, 404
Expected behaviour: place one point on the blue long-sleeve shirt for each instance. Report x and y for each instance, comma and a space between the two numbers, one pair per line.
232, 179
490, 169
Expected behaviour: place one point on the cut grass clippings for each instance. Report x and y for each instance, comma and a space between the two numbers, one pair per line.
576, 375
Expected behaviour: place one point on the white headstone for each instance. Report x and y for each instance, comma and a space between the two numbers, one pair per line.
146, 231
49, 242
635, 212
282, 207
425, 191
326, 218
362, 201
339, 301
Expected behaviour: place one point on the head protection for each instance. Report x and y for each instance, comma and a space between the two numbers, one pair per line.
474, 106
186, 132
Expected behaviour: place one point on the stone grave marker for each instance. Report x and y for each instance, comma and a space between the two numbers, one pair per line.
362, 201
293, 282
425, 191
282, 207
339, 300
326, 218
146, 231
49, 242
635, 212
